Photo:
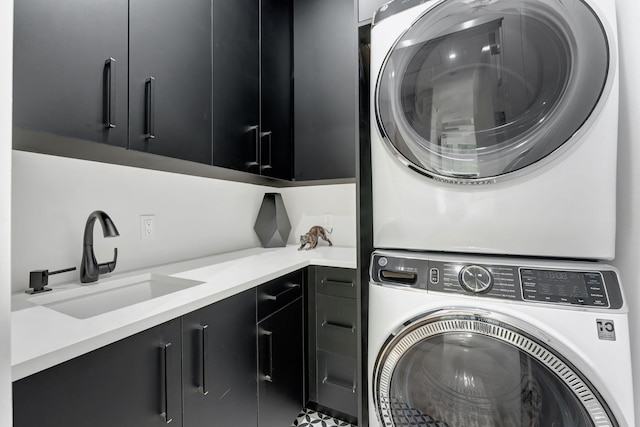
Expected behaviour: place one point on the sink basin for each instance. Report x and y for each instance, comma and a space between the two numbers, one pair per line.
92, 300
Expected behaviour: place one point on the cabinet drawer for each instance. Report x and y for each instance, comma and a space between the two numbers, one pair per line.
337, 382
274, 295
336, 325
340, 282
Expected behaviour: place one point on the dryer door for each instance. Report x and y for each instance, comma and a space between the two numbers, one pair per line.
475, 90
457, 368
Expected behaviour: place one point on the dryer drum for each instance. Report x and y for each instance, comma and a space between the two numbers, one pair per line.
458, 368
476, 90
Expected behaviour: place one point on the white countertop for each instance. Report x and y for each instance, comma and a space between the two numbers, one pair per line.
42, 337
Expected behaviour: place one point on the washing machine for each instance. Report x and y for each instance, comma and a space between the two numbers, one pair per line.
487, 341
494, 127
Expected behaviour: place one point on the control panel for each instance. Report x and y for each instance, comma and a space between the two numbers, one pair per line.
576, 284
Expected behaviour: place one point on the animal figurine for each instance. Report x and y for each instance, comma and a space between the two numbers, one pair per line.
311, 238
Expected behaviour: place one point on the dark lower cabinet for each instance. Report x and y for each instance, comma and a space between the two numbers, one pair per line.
333, 341
280, 350
237, 362
280, 373
219, 363
170, 78
134, 382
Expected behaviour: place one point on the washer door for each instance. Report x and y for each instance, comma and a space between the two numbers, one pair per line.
478, 89
460, 369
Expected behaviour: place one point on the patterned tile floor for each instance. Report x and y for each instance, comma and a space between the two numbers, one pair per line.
309, 418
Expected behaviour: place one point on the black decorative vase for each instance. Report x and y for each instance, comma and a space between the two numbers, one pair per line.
272, 225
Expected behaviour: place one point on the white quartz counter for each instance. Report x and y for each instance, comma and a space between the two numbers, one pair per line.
42, 337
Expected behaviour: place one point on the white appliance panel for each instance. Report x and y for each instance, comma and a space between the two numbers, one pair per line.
570, 331
561, 206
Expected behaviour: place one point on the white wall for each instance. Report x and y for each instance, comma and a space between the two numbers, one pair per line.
6, 55
53, 196
628, 235
307, 206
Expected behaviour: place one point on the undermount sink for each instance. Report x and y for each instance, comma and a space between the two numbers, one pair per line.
92, 300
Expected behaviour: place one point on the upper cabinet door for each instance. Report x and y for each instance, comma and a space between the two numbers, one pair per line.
276, 89
325, 89
236, 74
170, 82
70, 68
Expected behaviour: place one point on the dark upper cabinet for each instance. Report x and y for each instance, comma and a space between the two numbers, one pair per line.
134, 382
325, 89
252, 86
276, 155
206, 81
170, 80
219, 363
70, 68
236, 84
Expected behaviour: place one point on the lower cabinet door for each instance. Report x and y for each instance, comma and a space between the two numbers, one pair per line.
280, 376
134, 382
219, 363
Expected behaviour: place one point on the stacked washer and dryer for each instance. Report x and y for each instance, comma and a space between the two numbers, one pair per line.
493, 146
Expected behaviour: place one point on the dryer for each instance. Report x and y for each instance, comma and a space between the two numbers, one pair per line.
484, 341
494, 126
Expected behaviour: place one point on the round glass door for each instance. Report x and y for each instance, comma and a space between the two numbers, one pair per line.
458, 369
475, 90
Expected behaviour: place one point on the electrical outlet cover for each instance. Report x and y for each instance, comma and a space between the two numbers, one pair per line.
147, 226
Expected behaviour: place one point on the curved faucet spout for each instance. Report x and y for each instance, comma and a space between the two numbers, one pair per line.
89, 268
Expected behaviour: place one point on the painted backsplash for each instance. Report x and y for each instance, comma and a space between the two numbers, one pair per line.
194, 216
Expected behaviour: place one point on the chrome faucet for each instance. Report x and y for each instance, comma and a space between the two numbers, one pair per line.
90, 270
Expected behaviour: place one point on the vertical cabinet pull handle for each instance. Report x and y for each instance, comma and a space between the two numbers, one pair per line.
165, 356
269, 376
204, 333
266, 165
109, 93
256, 132
150, 119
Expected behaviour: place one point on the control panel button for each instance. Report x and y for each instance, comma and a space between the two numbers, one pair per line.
434, 276
579, 300
476, 279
